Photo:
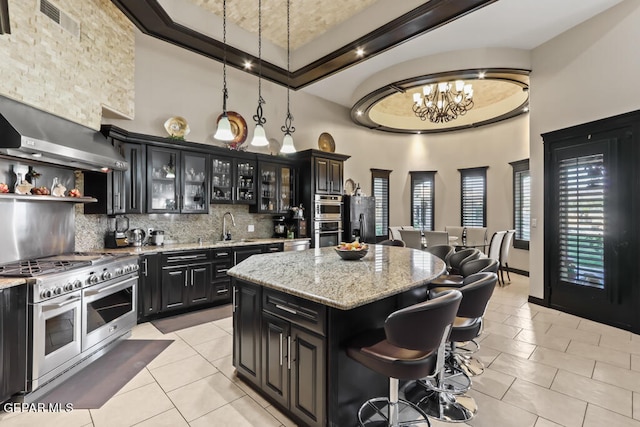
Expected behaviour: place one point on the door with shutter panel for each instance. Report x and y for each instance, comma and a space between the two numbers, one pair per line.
589, 223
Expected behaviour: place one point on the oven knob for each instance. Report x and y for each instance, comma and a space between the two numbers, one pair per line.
57, 290
46, 293
127, 269
77, 284
68, 286
106, 275
119, 271
93, 279
135, 267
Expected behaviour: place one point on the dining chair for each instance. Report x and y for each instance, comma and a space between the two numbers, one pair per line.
392, 242
495, 245
505, 247
412, 238
455, 231
394, 232
436, 238
476, 237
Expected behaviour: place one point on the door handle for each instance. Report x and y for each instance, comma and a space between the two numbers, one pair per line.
280, 348
289, 352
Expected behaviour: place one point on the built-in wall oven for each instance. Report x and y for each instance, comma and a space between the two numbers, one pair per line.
327, 233
327, 207
327, 220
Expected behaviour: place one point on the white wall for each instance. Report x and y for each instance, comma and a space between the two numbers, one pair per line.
587, 73
171, 81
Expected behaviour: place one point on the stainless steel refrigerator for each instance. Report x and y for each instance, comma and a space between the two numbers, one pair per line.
359, 219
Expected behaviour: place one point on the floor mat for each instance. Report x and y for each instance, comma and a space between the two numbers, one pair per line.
187, 320
93, 386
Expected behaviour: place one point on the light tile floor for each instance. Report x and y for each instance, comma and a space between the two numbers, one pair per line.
544, 369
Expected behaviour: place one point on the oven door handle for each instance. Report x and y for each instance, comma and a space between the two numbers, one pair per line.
91, 292
68, 301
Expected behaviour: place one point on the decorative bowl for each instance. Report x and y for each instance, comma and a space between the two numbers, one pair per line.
351, 255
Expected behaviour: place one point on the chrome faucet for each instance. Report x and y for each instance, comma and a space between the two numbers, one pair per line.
225, 234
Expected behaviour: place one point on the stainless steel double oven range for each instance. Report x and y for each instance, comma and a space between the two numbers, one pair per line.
80, 304
327, 220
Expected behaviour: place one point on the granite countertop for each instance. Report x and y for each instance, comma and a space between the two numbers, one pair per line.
320, 275
150, 249
8, 282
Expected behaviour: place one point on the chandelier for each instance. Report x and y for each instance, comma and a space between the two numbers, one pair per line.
443, 102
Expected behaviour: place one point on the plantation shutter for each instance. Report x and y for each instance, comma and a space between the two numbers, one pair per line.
581, 196
422, 200
380, 186
474, 194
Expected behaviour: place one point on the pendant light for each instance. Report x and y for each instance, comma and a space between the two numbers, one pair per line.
288, 129
259, 136
224, 133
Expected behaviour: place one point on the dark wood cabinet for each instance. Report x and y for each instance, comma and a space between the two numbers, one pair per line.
276, 363
186, 279
220, 282
276, 188
243, 252
233, 180
328, 175
246, 326
149, 286
13, 341
307, 377
119, 192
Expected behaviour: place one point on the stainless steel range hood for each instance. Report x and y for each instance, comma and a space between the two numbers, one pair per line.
34, 134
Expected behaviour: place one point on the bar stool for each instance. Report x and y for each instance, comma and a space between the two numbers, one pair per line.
442, 395
466, 269
406, 349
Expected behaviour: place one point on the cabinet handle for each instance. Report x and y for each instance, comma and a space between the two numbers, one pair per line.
287, 309
280, 348
221, 291
274, 249
289, 352
145, 271
192, 278
185, 280
223, 270
233, 299
221, 254
177, 258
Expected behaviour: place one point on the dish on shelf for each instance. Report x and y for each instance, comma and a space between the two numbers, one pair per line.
326, 142
177, 127
274, 146
238, 128
349, 187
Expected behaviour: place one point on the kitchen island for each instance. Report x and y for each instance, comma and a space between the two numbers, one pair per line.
295, 312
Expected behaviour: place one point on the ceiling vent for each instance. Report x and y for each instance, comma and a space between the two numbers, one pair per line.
60, 17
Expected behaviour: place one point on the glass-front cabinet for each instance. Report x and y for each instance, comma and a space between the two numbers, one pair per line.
194, 179
176, 181
277, 188
232, 180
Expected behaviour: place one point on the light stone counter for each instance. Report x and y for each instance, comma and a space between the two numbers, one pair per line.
149, 249
320, 275
8, 282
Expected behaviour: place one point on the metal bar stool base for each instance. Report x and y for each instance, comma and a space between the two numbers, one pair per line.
441, 405
469, 365
454, 380
375, 413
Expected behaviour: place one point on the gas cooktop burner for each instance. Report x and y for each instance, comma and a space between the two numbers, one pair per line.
54, 264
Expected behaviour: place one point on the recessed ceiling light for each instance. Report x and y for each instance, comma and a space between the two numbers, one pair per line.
525, 109
359, 112
247, 65
481, 75
360, 52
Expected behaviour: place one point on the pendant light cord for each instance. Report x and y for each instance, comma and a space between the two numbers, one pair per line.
258, 116
225, 93
288, 121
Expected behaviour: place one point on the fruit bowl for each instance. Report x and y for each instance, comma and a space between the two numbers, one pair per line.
351, 251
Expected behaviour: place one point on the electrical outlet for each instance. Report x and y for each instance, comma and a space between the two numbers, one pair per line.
251, 228
149, 230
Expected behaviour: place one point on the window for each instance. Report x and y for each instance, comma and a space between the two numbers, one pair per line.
473, 192
380, 186
521, 203
422, 196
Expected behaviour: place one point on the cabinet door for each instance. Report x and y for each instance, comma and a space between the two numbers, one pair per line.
13, 340
220, 282
286, 199
307, 377
335, 176
195, 178
133, 188
245, 182
275, 358
240, 254
246, 323
200, 283
175, 287
321, 175
268, 188
163, 192
221, 179
150, 292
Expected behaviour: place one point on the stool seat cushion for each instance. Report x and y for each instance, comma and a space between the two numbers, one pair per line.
449, 280
376, 353
465, 329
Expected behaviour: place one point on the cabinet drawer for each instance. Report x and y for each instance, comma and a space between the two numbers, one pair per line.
307, 314
273, 247
221, 291
222, 254
220, 270
183, 258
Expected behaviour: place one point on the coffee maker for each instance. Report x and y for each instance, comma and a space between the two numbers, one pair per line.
116, 236
279, 226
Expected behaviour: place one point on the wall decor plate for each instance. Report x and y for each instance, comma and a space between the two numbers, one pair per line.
349, 187
274, 146
177, 127
326, 142
238, 128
